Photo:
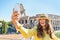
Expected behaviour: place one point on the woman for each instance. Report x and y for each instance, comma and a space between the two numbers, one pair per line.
43, 31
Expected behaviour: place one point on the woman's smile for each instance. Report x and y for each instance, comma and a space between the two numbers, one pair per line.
42, 22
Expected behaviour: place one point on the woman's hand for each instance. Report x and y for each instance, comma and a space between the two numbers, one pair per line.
15, 16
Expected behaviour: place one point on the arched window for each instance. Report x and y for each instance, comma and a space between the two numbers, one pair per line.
26, 21
21, 21
30, 21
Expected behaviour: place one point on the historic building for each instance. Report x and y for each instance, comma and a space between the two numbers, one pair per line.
55, 21
30, 22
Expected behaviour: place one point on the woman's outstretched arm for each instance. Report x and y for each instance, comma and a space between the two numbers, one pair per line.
19, 27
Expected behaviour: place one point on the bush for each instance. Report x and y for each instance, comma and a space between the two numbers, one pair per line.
57, 34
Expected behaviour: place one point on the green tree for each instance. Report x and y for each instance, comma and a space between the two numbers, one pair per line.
4, 27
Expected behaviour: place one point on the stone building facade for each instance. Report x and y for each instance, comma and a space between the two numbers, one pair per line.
55, 21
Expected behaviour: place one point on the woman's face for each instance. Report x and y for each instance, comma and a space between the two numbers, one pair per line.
42, 22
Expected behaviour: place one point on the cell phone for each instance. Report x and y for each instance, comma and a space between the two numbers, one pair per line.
16, 8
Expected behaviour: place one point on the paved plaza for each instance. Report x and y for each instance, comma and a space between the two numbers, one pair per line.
13, 37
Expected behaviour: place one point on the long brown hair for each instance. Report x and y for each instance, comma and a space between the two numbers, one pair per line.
48, 29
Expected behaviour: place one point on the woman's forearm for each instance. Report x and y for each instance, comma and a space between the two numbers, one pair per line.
17, 24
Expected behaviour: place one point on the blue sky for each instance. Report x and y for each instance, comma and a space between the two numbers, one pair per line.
32, 7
